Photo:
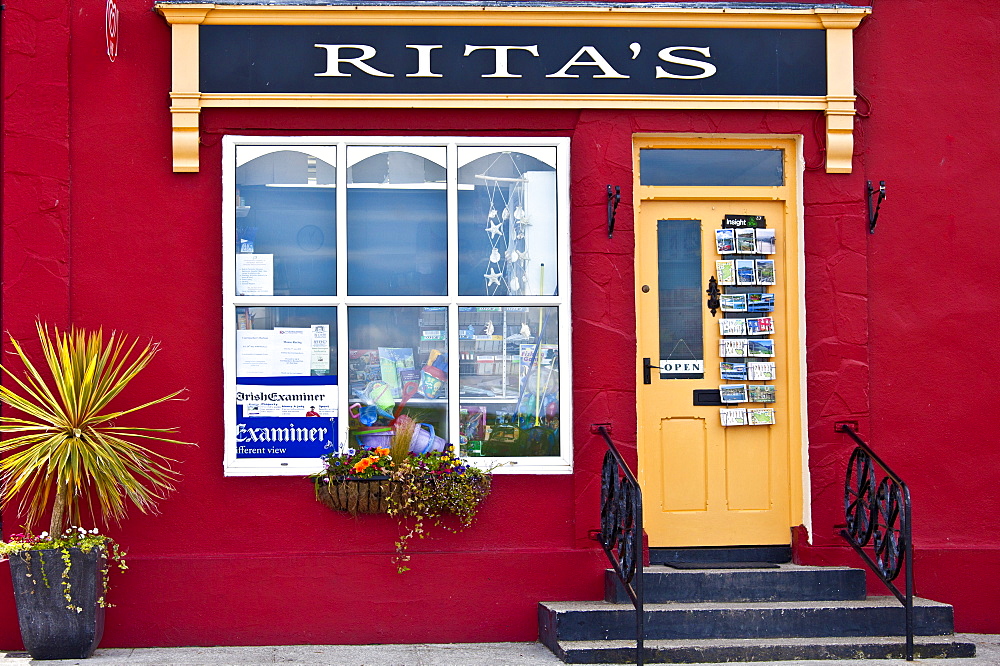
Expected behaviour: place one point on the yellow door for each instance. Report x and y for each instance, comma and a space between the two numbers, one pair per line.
705, 483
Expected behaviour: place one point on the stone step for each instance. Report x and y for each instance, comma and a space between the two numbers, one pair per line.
751, 650
775, 554
789, 582
875, 616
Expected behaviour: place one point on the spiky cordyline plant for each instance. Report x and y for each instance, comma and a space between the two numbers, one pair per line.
67, 450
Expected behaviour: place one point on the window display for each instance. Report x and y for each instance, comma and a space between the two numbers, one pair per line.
446, 302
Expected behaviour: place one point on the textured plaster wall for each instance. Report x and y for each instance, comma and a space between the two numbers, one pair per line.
895, 331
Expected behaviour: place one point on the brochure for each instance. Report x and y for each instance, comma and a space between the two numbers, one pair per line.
733, 302
765, 241
733, 371
746, 241
761, 416
760, 371
760, 348
745, 273
726, 271
725, 241
733, 392
732, 327
760, 326
760, 302
733, 417
729, 348
760, 393
765, 271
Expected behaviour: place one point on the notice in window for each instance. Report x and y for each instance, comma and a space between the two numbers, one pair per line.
253, 353
254, 274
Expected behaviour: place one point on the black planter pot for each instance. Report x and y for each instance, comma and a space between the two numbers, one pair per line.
49, 629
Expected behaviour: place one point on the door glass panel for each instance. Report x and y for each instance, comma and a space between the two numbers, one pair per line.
704, 167
397, 362
397, 227
507, 222
509, 381
286, 238
680, 291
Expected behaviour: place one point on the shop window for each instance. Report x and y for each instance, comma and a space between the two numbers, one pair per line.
448, 299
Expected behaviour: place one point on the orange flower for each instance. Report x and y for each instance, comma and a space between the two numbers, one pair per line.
379, 451
363, 464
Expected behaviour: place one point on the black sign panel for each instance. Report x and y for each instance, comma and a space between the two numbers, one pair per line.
502, 60
744, 222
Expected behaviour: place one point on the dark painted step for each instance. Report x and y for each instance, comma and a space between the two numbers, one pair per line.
750, 650
775, 554
875, 616
789, 582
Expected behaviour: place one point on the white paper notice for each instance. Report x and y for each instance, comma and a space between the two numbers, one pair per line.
320, 356
253, 353
292, 351
254, 274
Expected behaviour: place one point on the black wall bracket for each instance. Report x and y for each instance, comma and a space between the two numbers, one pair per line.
713, 295
614, 198
873, 214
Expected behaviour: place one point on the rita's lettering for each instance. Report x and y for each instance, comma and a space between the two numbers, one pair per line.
345, 60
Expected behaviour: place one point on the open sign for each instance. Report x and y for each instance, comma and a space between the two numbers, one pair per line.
688, 367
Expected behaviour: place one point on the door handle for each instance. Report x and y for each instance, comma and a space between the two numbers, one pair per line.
713, 295
647, 377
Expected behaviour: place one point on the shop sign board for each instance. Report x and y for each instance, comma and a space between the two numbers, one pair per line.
515, 60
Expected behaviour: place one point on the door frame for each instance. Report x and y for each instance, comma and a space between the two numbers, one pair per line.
791, 193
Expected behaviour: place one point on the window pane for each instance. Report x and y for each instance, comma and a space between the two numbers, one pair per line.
286, 237
509, 381
286, 394
507, 222
704, 167
680, 289
398, 362
397, 229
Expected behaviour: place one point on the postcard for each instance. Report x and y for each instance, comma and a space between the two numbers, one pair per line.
733, 392
760, 326
733, 302
733, 417
765, 241
761, 416
729, 347
746, 241
726, 272
745, 273
765, 271
760, 393
732, 327
733, 371
725, 241
760, 302
760, 371
760, 347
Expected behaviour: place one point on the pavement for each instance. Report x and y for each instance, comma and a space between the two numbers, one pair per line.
458, 654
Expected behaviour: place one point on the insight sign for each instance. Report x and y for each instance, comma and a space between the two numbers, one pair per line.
528, 60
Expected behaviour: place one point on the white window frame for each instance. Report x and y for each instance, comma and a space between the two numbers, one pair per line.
233, 466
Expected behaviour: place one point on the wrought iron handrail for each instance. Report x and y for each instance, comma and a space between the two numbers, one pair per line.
880, 515
621, 527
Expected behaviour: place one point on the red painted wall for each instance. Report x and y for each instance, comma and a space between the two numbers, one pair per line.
97, 230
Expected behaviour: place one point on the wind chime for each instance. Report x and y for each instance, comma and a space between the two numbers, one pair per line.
506, 220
